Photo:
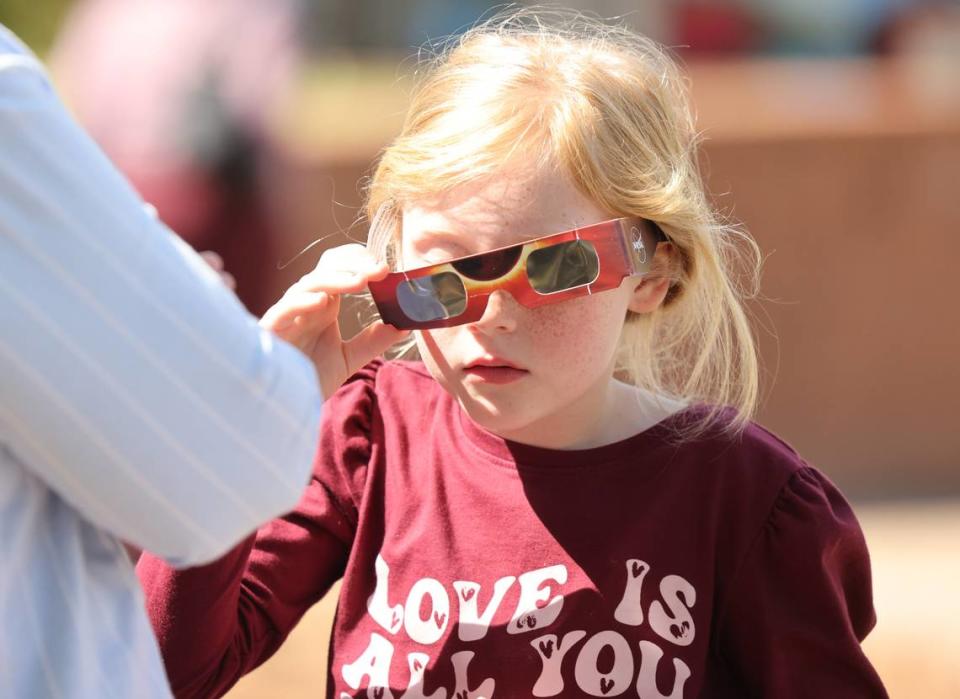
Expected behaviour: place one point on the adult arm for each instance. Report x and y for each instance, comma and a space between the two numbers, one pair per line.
215, 623
218, 622
133, 383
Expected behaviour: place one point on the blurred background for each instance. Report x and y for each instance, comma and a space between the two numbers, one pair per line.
832, 134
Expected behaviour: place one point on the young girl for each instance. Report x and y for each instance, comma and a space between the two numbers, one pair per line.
565, 497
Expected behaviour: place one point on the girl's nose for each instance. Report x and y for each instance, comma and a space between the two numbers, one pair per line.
501, 313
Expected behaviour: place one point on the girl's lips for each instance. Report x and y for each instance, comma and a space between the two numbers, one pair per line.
494, 374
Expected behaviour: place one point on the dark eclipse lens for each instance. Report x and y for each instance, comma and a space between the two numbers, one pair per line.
489, 265
432, 298
563, 266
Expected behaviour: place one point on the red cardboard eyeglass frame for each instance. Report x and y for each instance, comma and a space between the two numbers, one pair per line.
625, 247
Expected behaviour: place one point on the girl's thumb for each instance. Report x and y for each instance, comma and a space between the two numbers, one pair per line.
372, 341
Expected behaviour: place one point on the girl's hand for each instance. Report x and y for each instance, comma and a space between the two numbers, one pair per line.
306, 316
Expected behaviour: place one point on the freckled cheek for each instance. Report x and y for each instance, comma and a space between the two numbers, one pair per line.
573, 336
575, 331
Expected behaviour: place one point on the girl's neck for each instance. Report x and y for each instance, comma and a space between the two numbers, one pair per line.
614, 412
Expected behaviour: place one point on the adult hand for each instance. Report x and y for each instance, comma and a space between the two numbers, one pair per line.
306, 316
216, 264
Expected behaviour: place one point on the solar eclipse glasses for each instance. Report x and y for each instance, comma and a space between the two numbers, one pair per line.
550, 269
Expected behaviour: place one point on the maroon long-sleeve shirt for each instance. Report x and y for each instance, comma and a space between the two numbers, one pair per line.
476, 567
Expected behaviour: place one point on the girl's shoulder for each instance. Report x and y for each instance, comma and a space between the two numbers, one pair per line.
391, 385
749, 465
755, 475
712, 436
380, 400
381, 376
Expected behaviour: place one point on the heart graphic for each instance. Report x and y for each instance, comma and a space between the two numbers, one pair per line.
417, 665
605, 685
547, 648
439, 619
463, 695
680, 631
378, 692
637, 568
468, 594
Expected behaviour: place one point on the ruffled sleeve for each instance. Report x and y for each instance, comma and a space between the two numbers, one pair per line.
801, 602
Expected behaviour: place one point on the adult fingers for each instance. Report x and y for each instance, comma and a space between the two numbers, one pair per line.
215, 262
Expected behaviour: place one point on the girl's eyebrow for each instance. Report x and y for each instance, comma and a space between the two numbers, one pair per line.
461, 245
433, 237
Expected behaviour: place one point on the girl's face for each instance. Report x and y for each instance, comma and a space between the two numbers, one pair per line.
539, 376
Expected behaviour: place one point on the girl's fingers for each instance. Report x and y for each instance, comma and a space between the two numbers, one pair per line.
353, 256
300, 304
372, 341
306, 316
342, 270
341, 281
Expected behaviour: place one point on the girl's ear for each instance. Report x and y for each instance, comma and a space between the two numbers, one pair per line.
650, 291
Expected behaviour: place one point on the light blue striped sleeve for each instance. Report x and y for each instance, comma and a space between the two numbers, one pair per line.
131, 381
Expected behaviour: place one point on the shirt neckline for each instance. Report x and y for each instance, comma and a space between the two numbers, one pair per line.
505, 452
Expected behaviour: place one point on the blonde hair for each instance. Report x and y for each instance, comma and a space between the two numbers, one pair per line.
609, 107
